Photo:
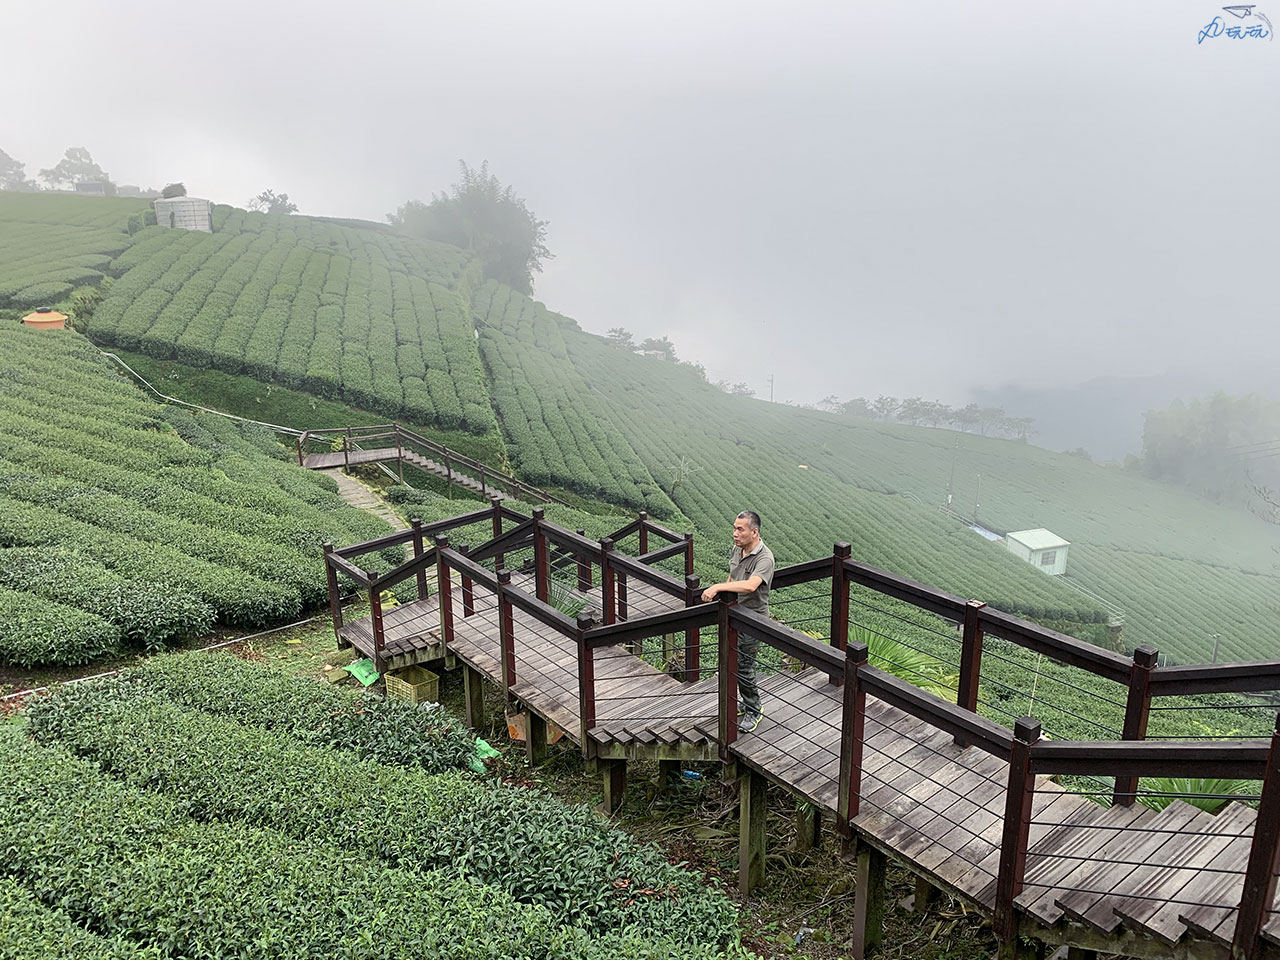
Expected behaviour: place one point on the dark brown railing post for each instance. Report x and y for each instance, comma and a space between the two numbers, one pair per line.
728, 650
644, 532
970, 660
1137, 709
375, 618
419, 548
586, 684
399, 452
444, 589
335, 599
693, 635
839, 631
506, 630
1017, 827
688, 554
484, 487
496, 503
1264, 861
468, 588
346, 452
448, 475
301, 457
584, 569
852, 736
541, 573
607, 582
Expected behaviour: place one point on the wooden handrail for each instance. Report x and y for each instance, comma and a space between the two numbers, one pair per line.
378, 543
972, 728
621, 563
410, 568
663, 553
943, 604
468, 565
803, 647
666, 533
542, 612
798, 573
703, 615
1236, 759
346, 567
1056, 646
1217, 678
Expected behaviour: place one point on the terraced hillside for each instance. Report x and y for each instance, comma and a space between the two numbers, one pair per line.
49, 245
124, 523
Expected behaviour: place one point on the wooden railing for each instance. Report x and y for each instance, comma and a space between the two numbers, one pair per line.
403, 439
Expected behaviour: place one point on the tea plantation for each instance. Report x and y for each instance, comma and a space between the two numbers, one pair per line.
127, 524
51, 245
179, 781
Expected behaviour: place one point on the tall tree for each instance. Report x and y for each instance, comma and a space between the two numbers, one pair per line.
75, 166
172, 190
479, 214
621, 338
268, 201
660, 346
13, 175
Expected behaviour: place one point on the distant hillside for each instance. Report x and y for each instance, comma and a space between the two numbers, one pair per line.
1105, 415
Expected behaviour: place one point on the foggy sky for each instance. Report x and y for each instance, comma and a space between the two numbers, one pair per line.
904, 198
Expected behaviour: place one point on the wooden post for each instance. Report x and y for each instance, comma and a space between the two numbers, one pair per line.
1017, 826
808, 828
484, 487
468, 586
346, 452
692, 636
506, 629
728, 649
839, 596
586, 686
375, 618
868, 904
644, 532
448, 476
541, 569
535, 739
852, 735
473, 694
753, 815
925, 894
615, 784
335, 598
399, 452
444, 588
1136, 711
1264, 860
419, 548
688, 554
607, 575
970, 660
584, 569
498, 560
668, 773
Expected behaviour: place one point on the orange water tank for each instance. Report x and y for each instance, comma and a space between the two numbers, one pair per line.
46, 319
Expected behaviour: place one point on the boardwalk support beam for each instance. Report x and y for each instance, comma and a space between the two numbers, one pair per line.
473, 694
808, 828
535, 739
868, 904
753, 815
615, 784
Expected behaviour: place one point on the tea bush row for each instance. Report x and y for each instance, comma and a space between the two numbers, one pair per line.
524, 842
30, 930
128, 862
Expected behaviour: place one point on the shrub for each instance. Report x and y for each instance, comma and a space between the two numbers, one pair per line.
29, 930
35, 631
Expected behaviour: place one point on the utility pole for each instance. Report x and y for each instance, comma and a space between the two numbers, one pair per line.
977, 499
955, 452
771, 388
1217, 639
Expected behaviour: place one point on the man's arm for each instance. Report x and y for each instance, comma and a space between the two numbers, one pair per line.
750, 585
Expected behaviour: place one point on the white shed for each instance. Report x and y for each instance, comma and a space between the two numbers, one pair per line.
184, 213
1042, 549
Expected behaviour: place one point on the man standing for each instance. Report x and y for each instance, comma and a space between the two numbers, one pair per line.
750, 574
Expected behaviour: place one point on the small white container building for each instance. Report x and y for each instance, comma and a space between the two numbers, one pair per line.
185, 213
1044, 550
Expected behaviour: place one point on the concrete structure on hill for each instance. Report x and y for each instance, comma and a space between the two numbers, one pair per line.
1044, 550
96, 188
184, 213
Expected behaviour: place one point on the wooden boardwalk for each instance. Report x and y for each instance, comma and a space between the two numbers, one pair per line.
1123, 879
329, 461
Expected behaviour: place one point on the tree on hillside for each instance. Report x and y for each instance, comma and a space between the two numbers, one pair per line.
886, 408
830, 403
621, 338
172, 190
660, 347
858, 407
268, 201
479, 214
76, 166
13, 175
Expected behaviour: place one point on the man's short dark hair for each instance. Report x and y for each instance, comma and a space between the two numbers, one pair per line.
752, 518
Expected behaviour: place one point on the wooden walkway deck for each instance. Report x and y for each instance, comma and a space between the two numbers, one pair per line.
1113, 879
330, 460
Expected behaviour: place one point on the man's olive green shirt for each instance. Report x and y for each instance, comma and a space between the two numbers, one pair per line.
757, 563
